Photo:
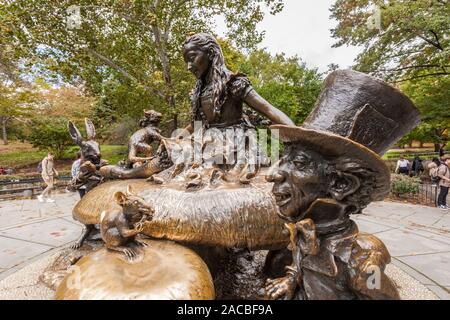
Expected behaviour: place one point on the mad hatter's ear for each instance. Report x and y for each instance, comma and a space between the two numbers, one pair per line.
343, 184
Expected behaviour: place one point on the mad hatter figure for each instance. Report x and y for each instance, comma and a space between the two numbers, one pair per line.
331, 169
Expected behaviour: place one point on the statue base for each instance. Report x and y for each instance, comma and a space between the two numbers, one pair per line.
244, 279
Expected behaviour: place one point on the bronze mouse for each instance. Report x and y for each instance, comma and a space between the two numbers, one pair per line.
119, 227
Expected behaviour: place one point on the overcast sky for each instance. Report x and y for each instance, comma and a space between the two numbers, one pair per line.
303, 28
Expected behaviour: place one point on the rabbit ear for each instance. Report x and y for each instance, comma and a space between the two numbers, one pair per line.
75, 134
90, 129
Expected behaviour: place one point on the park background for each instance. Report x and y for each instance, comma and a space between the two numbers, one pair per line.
110, 60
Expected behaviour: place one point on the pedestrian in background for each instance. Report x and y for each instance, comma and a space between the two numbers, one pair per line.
444, 183
417, 166
402, 166
48, 173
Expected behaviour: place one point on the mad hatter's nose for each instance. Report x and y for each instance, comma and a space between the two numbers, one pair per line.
277, 176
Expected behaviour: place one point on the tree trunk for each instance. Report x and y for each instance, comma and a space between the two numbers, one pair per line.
160, 41
4, 132
437, 147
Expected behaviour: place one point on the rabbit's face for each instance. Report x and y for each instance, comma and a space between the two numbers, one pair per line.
91, 151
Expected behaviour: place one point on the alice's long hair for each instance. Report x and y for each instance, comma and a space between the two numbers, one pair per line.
219, 73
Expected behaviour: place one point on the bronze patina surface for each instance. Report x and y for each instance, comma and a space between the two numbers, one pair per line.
228, 216
331, 169
138, 167
119, 227
166, 271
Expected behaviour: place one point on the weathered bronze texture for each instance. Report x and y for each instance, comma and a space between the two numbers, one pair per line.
228, 216
120, 227
201, 203
140, 142
88, 176
166, 271
219, 94
330, 169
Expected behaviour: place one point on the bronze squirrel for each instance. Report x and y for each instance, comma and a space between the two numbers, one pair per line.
119, 227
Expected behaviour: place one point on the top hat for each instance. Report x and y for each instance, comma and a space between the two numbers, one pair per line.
358, 116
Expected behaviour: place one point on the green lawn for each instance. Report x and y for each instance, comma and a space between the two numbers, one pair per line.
395, 155
31, 156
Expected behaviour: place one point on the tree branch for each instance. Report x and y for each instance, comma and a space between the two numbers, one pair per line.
437, 39
113, 65
411, 67
422, 76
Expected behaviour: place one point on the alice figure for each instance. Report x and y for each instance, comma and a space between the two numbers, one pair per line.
219, 94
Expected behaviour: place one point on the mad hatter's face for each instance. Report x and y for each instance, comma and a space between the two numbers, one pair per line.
299, 179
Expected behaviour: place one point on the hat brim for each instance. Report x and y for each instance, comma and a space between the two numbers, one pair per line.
331, 146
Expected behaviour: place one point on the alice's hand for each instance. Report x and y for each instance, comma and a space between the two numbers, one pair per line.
281, 288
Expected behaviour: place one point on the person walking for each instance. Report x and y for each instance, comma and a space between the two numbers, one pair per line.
417, 166
444, 183
48, 174
402, 166
74, 172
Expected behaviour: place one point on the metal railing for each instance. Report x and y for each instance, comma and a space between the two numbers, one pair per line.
426, 195
27, 187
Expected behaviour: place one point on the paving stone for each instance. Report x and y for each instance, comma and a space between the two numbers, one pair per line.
422, 278
54, 232
430, 233
402, 242
442, 293
427, 218
436, 266
14, 252
443, 223
366, 225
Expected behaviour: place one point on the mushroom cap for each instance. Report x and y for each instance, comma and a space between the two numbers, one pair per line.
242, 216
166, 271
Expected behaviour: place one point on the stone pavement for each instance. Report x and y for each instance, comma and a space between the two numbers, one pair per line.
417, 237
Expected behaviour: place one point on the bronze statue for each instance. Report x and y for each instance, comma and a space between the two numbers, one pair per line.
331, 169
140, 141
91, 157
90, 148
219, 94
119, 228
88, 175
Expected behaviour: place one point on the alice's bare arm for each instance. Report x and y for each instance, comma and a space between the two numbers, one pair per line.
255, 101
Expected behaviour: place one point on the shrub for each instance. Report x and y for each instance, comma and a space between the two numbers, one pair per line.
50, 134
403, 184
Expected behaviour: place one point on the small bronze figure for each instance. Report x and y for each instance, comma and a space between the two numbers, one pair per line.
88, 176
141, 140
90, 148
331, 169
120, 227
